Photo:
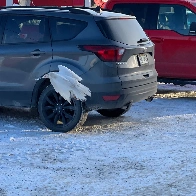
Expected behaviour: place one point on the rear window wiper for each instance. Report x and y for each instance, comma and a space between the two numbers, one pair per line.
142, 40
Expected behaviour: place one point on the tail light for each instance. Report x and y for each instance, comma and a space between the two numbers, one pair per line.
106, 53
111, 97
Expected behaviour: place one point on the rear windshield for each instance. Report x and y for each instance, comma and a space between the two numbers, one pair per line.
127, 31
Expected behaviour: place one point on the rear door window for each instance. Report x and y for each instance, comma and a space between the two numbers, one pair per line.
25, 29
127, 31
66, 29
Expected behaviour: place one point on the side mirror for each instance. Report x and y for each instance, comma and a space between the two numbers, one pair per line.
192, 30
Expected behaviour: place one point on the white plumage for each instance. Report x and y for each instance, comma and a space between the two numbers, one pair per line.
66, 83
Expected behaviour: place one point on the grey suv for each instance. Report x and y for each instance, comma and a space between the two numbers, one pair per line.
109, 51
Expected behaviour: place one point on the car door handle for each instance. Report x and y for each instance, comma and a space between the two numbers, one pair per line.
37, 52
157, 39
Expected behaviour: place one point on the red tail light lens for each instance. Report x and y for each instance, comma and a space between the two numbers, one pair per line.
106, 53
111, 97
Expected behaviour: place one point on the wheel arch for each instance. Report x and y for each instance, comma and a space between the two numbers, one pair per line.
42, 83
70, 64
39, 87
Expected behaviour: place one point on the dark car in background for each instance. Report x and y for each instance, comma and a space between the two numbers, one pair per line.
171, 25
115, 63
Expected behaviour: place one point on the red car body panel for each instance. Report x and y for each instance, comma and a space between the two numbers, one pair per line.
59, 3
174, 52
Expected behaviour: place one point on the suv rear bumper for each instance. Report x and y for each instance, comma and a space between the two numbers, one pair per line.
129, 95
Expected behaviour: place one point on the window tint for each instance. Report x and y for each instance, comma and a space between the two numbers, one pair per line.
66, 29
126, 31
25, 29
177, 18
191, 22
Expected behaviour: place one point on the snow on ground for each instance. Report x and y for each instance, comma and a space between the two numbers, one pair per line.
149, 151
177, 88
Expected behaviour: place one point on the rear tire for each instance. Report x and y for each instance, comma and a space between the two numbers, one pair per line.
57, 113
114, 112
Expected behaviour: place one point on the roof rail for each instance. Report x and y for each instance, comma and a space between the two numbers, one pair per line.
29, 7
82, 9
75, 10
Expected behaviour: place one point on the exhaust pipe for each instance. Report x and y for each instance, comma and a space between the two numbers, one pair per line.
149, 99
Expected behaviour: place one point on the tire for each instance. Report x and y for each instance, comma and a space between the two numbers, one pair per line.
114, 112
57, 113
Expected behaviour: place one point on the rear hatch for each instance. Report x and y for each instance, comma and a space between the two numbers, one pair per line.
137, 61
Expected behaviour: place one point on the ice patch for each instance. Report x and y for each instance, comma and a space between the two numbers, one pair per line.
12, 139
66, 83
9, 126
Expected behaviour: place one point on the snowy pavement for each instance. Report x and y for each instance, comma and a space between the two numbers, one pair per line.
150, 151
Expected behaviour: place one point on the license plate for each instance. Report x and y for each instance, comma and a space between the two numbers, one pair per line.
143, 58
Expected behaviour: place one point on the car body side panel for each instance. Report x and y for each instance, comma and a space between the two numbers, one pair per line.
174, 57
109, 5
19, 69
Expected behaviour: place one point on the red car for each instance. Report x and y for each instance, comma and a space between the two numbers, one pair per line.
79, 3
171, 25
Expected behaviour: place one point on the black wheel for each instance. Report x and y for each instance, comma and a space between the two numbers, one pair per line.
114, 112
57, 113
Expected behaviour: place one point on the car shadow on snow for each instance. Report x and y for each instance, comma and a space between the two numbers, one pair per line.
145, 113
97, 123
22, 120
16, 119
